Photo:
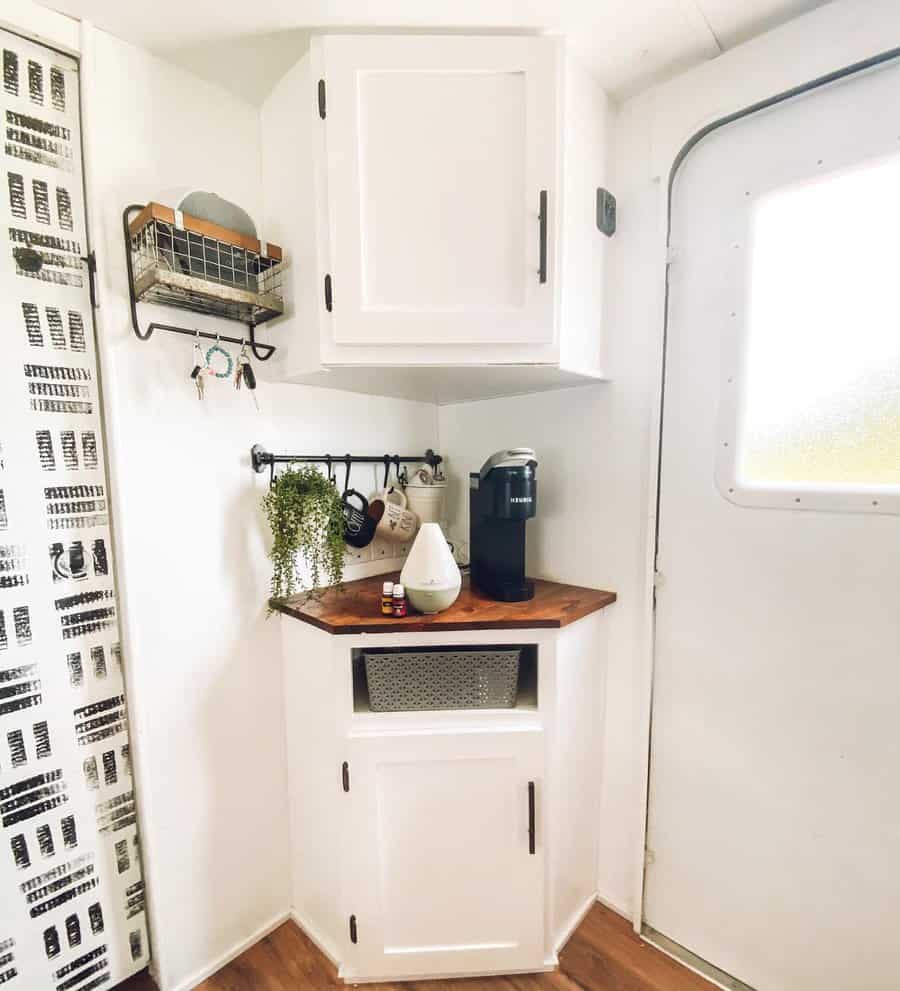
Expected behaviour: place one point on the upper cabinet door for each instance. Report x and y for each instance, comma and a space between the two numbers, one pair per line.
439, 152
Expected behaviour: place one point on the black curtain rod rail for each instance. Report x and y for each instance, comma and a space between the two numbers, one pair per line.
260, 458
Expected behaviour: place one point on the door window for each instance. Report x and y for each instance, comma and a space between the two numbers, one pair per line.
812, 381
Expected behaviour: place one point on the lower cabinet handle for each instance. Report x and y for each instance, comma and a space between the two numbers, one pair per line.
542, 242
532, 836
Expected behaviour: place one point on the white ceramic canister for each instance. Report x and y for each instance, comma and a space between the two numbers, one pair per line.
425, 496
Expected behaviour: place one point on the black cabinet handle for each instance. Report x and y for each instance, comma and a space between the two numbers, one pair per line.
542, 243
532, 835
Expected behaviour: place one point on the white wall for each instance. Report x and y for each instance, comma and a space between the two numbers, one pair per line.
591, 481
597, 445
203, 664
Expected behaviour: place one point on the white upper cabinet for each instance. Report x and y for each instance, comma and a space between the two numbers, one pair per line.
436, 196
439, 152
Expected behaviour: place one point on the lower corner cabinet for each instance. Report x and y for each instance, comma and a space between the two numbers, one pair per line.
439, 868
441, 843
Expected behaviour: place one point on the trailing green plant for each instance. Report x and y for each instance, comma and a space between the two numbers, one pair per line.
305, 515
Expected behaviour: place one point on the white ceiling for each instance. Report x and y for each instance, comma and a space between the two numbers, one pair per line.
246, 47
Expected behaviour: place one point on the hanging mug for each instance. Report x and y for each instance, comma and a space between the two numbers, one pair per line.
360, 519
397, 524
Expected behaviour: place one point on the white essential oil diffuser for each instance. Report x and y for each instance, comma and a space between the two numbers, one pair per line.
430, 576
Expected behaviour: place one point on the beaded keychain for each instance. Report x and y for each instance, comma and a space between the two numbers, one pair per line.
212, 364
212, 353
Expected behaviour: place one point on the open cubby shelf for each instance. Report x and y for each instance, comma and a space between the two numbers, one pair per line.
527, 687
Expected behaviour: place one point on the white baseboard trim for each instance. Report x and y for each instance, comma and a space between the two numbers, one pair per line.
613, 907
315, 937
348, 978
575, 920
325, 947
207, 971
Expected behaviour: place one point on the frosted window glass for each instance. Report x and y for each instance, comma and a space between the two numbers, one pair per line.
821, 390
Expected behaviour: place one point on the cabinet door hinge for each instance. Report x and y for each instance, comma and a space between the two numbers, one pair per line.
329, 299
322, 98
345, 776
91, 262
353, 933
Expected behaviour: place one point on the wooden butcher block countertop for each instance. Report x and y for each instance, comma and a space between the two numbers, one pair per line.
355, 607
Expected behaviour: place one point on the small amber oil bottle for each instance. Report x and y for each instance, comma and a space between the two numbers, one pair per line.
387, 599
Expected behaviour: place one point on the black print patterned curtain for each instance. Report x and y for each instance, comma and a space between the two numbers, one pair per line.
71, 891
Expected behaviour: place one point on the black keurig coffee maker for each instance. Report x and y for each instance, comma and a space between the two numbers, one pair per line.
502, 496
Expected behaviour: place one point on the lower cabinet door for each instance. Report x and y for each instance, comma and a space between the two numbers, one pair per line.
444, 854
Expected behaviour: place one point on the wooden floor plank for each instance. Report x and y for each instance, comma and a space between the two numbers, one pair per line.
604, 954
141, 981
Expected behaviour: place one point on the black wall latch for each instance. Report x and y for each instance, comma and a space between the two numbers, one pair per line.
329, 301
345, 776
353, 933
91, 261
606, 211
322, 98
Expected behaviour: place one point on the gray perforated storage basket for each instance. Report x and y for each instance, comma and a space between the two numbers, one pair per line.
442, 679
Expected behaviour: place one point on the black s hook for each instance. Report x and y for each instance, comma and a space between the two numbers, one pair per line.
347, 462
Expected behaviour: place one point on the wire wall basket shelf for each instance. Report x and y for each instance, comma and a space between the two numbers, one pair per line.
178, 260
